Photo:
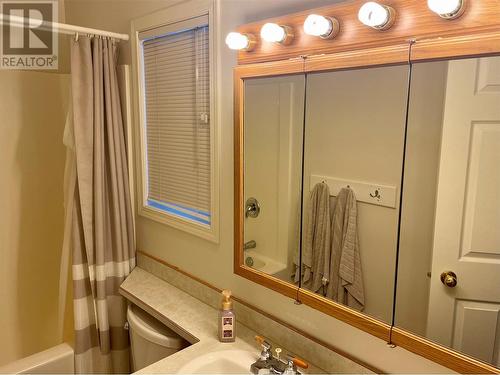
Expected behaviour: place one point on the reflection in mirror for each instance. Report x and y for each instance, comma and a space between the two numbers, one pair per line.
273, 119
449, 259
354, 140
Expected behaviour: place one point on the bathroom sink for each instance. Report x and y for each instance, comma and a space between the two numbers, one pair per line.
221, 362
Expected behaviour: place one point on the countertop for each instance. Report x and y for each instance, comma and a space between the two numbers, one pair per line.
190, 318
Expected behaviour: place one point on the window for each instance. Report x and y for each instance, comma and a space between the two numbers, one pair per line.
177, 131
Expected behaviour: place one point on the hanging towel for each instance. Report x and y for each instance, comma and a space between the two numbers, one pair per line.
346, 277
316, 241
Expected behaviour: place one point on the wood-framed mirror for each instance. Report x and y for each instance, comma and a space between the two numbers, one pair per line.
377, 113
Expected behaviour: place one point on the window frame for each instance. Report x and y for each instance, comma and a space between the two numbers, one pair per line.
176, 14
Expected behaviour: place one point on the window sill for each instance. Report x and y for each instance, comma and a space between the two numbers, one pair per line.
204, 231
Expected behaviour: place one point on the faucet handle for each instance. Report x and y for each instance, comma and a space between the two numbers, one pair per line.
299, 362
262, 341
266, 347
293, 363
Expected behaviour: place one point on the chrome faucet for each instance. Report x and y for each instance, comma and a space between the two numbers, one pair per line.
268, 364
291, 368
265, 357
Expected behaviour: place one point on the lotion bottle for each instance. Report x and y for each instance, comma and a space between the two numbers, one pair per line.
227, 319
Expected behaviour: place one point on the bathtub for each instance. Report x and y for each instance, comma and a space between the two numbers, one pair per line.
56, 360
265, 264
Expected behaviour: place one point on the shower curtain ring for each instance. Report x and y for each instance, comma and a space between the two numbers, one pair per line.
76, 36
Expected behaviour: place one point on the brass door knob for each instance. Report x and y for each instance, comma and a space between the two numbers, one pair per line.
449, 278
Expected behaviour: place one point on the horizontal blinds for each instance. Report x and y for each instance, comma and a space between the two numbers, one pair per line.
188, 24
177, 103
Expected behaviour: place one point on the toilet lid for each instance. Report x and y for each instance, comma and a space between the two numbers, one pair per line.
152, 329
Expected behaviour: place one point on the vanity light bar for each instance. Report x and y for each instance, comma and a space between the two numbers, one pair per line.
238, 41
377, 16
372, 14
447, 9
324, 27
274, 33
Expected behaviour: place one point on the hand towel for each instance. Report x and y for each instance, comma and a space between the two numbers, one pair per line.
346, 277
316, 240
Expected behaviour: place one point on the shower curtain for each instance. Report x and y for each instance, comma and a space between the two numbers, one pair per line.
101, 232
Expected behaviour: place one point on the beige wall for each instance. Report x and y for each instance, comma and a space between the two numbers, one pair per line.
31, 209
113, 15
214, 262
353, 133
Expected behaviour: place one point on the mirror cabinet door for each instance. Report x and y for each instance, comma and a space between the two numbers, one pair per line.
353, 157
448, 286
273, 133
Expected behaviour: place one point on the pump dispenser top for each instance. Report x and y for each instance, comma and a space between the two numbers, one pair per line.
227, 303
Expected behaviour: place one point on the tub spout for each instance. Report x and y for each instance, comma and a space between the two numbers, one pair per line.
250, 245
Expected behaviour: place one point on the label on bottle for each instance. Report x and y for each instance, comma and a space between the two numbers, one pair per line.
227, 327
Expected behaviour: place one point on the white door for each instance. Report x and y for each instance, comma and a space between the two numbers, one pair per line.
467, 227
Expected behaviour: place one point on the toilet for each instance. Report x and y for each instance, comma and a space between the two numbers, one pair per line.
150, 339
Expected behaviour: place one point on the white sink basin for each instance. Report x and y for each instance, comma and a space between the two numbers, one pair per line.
221, 362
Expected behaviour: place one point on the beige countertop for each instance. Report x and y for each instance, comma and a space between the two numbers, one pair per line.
189, 317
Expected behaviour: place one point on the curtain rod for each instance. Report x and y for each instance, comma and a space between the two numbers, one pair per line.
61, 28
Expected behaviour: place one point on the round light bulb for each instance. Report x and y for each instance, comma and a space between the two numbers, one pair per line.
238, 41
274, 33
448, 9
317, 25
376, 15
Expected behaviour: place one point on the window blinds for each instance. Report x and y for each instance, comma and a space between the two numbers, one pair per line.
177, 118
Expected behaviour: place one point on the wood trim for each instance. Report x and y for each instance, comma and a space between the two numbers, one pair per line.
253, 307
380, 56
352, 317
485, 44
270, 282
238, 169
181, 271
268, 69
476, 45
413, 21
437, 353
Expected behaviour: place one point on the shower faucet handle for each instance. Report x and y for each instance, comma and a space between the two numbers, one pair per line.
252, 208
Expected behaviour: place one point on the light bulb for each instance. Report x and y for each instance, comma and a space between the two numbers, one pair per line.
274, 33
448, 9
375, 15
324, 27
238, 41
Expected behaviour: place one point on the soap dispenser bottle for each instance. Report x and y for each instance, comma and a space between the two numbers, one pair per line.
227, 322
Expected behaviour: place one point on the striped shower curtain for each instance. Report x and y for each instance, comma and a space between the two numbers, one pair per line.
101, 233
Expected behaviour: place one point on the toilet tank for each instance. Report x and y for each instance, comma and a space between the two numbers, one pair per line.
150, 339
